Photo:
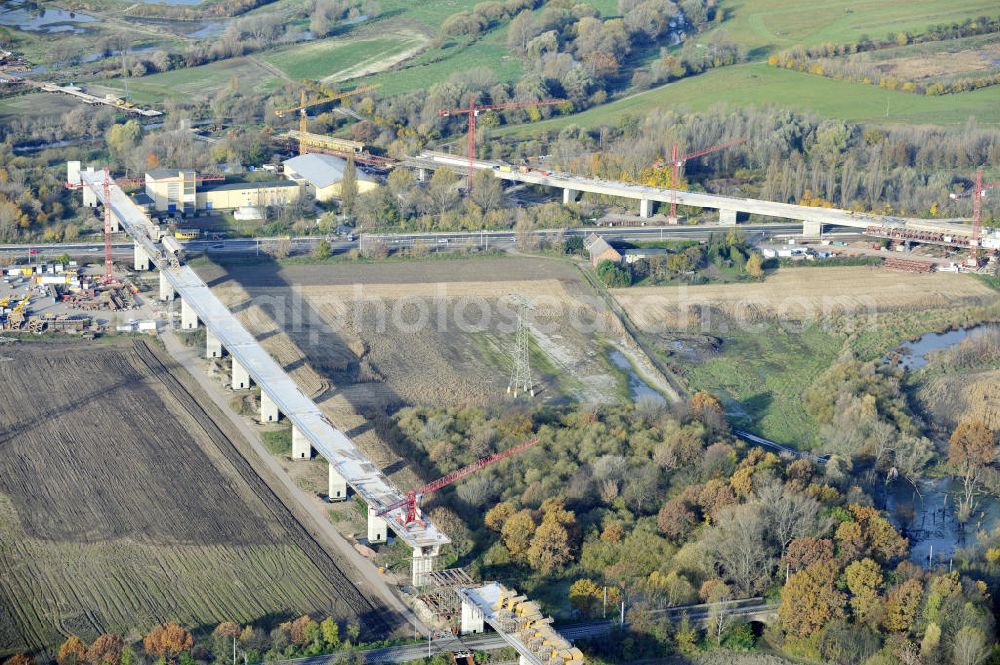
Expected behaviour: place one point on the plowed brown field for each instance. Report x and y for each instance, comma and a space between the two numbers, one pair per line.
123, 504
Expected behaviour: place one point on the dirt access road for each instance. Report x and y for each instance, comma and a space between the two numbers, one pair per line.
126, 499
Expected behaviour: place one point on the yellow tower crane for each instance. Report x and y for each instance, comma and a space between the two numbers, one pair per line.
328, 96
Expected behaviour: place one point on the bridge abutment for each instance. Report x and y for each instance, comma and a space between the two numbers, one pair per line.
166, 288
646, 208
472, 618
189, 318
140, 259
213, 347
727, 217
268, 409
337, 486
812, 229
241, 377
301, 448
423, 565
378, 528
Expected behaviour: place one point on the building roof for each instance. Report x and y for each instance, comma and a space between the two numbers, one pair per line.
320, 171
597, 245
645, 251
231, 186
160, 174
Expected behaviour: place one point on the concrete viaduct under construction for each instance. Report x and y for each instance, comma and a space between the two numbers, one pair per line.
516, 619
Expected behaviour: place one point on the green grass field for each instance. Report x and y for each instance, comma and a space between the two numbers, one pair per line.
762, 374
762, 85
192, 82
769, 25
338, 58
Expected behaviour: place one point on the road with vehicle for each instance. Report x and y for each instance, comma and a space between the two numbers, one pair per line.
503, 240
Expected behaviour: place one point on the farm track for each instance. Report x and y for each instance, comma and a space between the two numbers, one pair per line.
123, 504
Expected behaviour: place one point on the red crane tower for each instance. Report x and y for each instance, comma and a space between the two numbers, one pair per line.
676, 163
474, 110
412, 499
107, 278
977, 214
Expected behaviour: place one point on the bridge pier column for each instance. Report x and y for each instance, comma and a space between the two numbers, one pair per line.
378, 528
337, 486
421, 175
521, 660
727, 217
301, 448
472, 618
89, 197
241, 377
213, 347
140, 258
646, 208
268, 409
166, 288
189, 318
423, 565
569, 196
812, 229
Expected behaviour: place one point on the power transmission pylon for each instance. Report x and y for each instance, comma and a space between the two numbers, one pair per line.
520, 370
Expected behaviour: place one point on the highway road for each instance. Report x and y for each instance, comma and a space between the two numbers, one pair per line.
487, 239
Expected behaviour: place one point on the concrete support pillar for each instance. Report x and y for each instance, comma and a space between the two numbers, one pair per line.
569, 196
812, 229
378, 528
521, 660
268, 409
727, 217
241, 377
166, 288
645, 208
423, 565
337, 490
140, 258
301, 448
421, 175
189, 319
213, 347
89, 197
472, 618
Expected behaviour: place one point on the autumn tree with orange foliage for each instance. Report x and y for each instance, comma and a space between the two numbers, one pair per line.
106, 650
971, 448
72, 652
18, 659
168, 641
810, 600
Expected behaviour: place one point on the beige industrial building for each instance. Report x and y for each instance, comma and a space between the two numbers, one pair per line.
321, 175
177, 191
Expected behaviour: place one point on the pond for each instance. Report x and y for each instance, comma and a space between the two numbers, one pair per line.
927, 518
32, 18
913, 355
637, 388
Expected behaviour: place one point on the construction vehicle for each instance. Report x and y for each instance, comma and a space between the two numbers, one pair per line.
411, 502
187, 234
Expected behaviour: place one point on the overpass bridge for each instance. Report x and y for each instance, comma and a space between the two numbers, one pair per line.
813, 219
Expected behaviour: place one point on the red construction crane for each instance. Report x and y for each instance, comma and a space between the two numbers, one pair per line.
676, 163
412, 499
474, 110
107, 278
977, 214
